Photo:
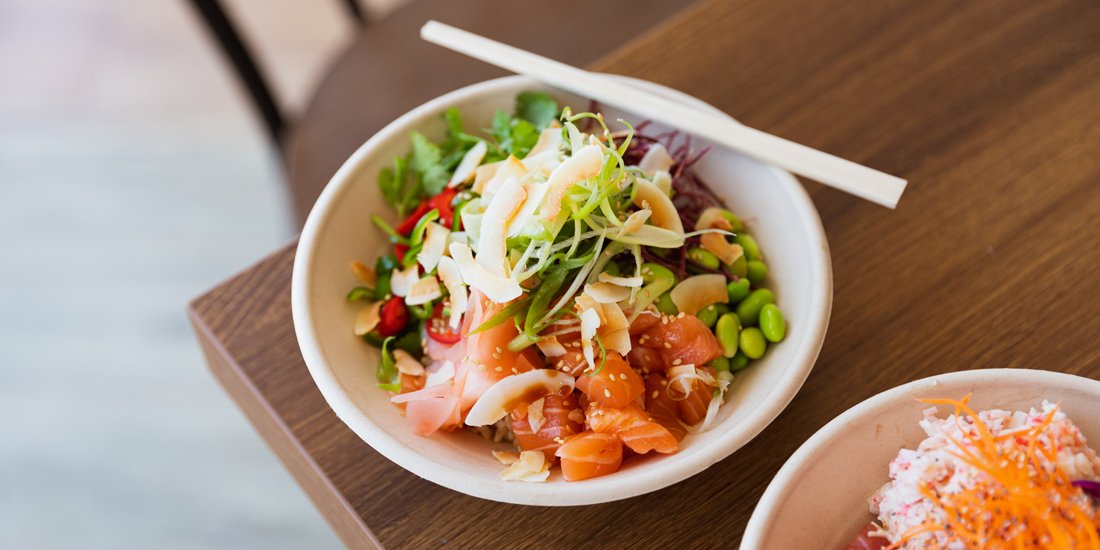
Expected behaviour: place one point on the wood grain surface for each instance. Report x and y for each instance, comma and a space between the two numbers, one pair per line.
991, 110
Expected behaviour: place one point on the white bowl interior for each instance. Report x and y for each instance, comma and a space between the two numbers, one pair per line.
819, 498
779, 215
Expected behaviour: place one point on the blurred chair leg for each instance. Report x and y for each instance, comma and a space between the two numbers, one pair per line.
217, 21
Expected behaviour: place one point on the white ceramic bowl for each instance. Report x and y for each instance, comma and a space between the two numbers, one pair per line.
819, 498
779, 214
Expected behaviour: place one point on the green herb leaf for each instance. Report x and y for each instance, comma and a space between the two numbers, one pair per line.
426, 164
538, 108
392, 388
388, 229
540, 300
417, 235
383, 269
502, 315
387, 366
360, 292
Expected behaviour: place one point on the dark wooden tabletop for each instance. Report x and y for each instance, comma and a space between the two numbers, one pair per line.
991, 110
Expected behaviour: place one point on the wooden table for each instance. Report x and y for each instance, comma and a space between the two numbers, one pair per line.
991, 110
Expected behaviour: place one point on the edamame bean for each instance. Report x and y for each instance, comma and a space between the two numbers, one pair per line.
736, 222
739, 362
666, 305
749, 308
708, 315
752, 343
748, 244
653, 272
704, 258
721, 364
727, 329
772, 324
740, 267
737, 290
757, 271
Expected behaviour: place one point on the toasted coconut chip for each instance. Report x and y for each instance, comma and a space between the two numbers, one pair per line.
402, 281
712, 218
590, 323
534, 414
484, 174
506, 458
543, 163
423, 291
717, 244
549, 141
576, 137
635, 221
407, 364
532, 466
656, 159
584, 302
607, 293
366, 275
498, 289
664, 212
651, 235
439, 373
466, 168
492, 247
617, 341
613, 318
435, 243
452, 279
550, 347
368, 318
663, 180
511, 391
698, 292
512, 167
535, 192
585, 163
629, 282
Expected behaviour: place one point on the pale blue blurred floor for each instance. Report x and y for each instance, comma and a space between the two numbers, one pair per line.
132, 178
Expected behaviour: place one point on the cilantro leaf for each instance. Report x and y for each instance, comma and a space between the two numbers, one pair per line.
426, 163
538, 108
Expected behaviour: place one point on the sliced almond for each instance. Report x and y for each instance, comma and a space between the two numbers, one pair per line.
664, 212
698, 292
407, 364
368, 318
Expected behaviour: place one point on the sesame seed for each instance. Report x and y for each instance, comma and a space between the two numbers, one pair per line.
622, 376
606, 392
656, 394
677, 361
481, 367
515, 370
680, 316
668, 345
499, 369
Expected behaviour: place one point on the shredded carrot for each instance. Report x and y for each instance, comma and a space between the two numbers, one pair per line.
1028, 501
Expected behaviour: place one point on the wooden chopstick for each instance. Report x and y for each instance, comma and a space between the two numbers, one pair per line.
859, 180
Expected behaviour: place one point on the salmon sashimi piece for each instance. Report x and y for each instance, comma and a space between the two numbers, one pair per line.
573, 362
589, 455
662, 408
645, 359
561, 417
693, 408
643, 322
615, 385
681, 340
638, 431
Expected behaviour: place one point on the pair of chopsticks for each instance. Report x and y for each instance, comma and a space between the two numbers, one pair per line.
833, 171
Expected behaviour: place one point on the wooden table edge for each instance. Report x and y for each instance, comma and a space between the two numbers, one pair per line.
336, 510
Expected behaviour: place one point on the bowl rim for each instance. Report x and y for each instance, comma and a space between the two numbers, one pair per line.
782, 485
666, 472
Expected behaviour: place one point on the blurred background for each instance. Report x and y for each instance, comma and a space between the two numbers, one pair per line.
128, 155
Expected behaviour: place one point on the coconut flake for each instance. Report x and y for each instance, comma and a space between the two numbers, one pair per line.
498, 289
407, 364
506, 458
492, 246
531, 466
712, 218
366, 275
402, 281
651, 235
606, 293
550, 347
368, 318
511, 167
635, 221
452, 279
549, 142
535, 417
435, 242
468, 165
536, 191
656, 159
717, 244
629, 282
698, 292
423, 291
484, 174
590, 323
439, 373
663, 180
583, 164
664, 214
501, 397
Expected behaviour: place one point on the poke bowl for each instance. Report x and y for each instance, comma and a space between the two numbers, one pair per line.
954, 455
354, 222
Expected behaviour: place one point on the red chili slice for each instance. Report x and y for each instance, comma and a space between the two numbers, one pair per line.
440, 202
439, 327
394, 317
399, 250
